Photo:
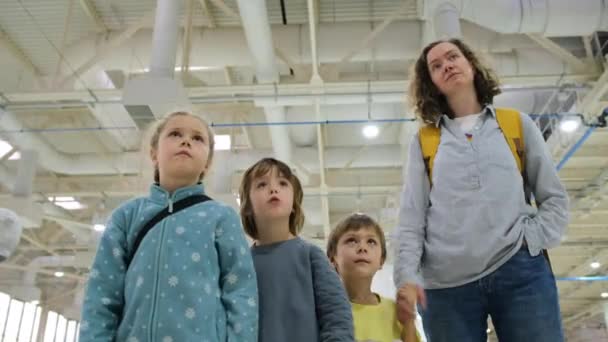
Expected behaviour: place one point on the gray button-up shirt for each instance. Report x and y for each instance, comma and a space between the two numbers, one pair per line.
475, 217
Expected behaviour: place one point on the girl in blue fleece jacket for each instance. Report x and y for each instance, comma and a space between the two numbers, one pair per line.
192, 277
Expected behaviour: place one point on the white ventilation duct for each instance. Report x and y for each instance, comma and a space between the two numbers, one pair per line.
446, 21
73, 311
254, 16
10, 233
399, 41
108, 115
279, 134
55, 161
544, 17
28, 290
150, 97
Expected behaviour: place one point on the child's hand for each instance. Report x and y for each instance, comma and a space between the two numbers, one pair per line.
407, 297
409, 333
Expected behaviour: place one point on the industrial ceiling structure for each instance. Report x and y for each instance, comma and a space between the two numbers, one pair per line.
320, 84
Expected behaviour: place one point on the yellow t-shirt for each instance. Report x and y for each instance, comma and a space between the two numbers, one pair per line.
377, 323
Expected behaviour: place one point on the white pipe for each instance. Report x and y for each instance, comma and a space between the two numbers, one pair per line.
166, 25
29, 278
259, 40
254, 17
55, 161
281, 143
550, 18
400, 40
313, 21
446, 21
78, 260
335, 157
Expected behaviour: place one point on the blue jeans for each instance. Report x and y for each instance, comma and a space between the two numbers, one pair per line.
520, 297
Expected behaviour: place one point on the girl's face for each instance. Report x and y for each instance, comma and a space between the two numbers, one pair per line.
449, 69
358, 253
183, 149
271, 196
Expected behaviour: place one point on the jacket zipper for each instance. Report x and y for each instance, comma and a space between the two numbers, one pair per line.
151, 324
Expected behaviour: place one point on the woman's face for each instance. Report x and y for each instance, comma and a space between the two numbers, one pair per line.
449, 69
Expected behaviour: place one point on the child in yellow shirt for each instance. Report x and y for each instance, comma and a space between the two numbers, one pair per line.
357, 249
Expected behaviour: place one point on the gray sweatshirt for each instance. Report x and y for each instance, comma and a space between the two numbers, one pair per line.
475, 217
301, 296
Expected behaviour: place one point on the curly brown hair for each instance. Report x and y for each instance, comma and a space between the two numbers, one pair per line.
259, 169
429, 103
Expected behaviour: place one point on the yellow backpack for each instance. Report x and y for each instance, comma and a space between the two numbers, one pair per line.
509, 121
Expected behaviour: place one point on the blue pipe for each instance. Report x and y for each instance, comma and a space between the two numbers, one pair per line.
251, 124
321, 122
67, 129
575, 147
243, 124
589, 278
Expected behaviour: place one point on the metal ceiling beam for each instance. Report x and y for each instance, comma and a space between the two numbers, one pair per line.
365, 42
24, 268
584, 269
187, 42
20, 55
312, 28
323, 188
589, 104
285, 58
588, 47
91, 11
590, 109
558, 51
208, 15
228, 76
226, 9
66, 30
586, 313
268, 90
127, 186
110, 46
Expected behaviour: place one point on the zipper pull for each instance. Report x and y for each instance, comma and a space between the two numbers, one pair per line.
170, 205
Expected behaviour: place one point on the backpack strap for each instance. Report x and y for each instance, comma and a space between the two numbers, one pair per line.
168, 211
429, 137
509, 121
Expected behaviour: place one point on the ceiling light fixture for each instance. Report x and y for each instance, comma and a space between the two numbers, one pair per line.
569, 125
370, 131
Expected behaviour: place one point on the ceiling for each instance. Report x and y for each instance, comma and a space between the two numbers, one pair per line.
303, 97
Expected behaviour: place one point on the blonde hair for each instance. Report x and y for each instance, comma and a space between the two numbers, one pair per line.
259, 169
158, 126
353, 223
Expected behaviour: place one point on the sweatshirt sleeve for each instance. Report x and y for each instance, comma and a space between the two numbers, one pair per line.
104, 297
237, 280
410, 232
333, 308
545, 228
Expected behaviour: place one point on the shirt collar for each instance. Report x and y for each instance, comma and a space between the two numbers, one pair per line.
487, 109
160, 195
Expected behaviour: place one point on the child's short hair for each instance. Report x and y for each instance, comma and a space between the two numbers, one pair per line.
354, 222
259, 169
158, 127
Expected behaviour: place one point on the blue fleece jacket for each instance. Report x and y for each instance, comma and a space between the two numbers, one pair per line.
191, 279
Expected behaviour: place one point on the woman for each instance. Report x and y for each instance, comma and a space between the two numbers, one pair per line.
469, 243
